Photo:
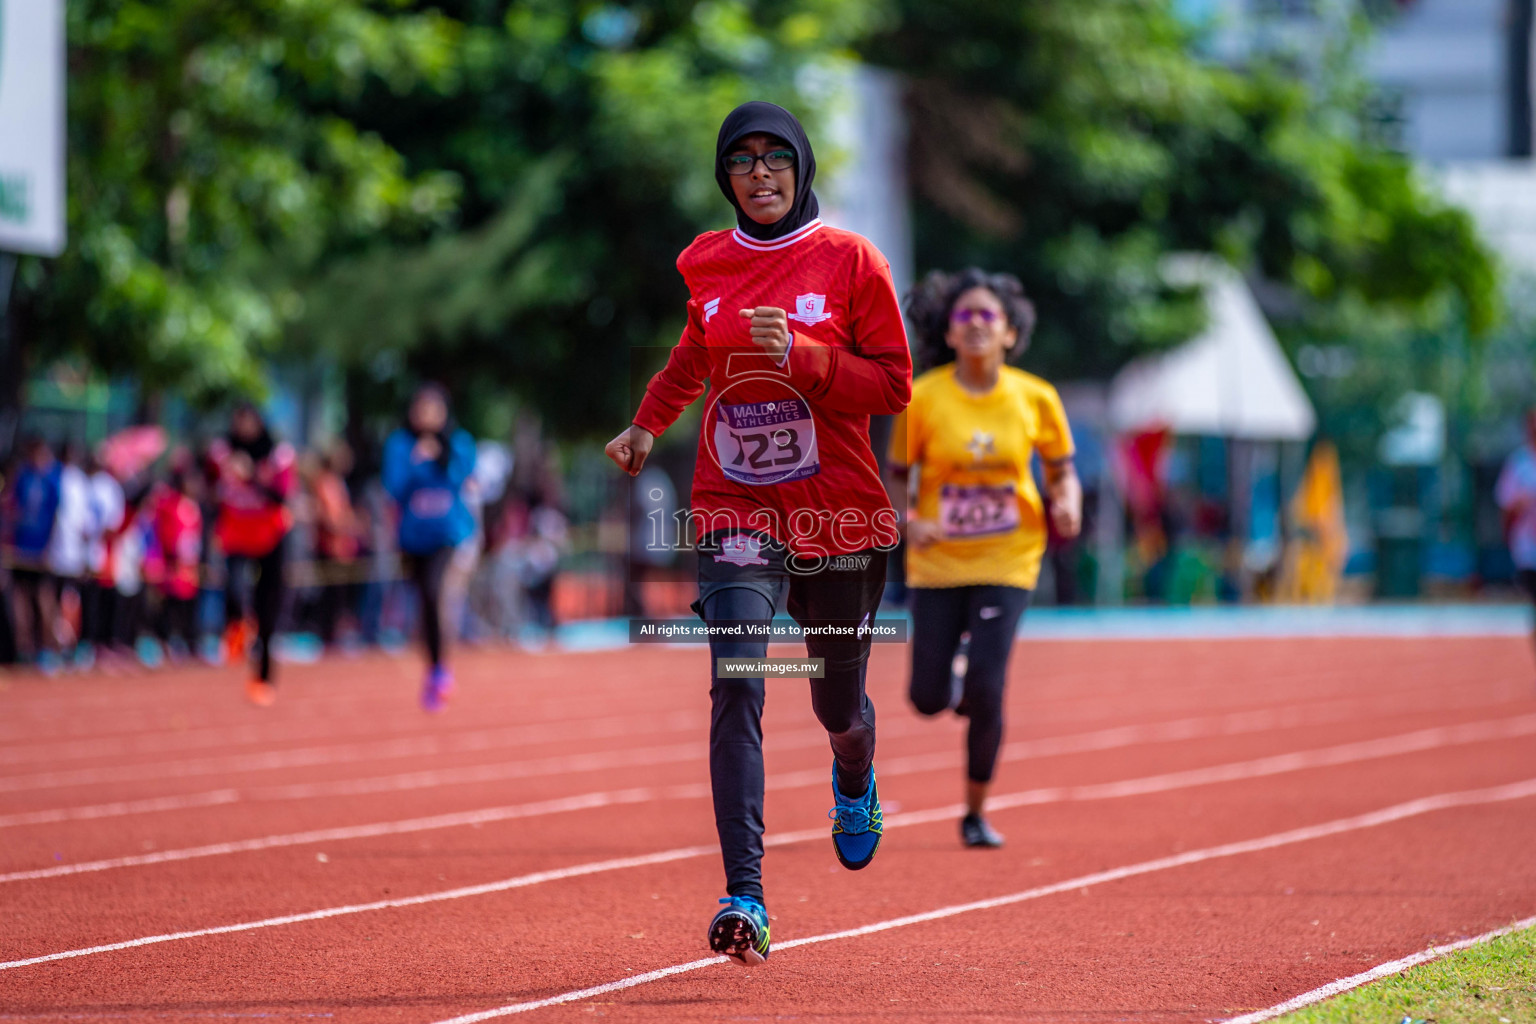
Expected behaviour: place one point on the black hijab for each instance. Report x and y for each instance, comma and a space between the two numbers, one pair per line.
258, 447
769, 119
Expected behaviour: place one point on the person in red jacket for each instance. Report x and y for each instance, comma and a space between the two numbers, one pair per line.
178, 527
797, 329
255, 477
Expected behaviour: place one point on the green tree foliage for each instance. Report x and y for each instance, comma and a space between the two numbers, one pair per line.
1078, 143
494, 193
584, 136
212, 165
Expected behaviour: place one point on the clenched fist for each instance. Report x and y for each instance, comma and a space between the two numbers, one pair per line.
770, 329
630, 448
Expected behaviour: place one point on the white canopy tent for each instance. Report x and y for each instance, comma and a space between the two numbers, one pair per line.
1231, 381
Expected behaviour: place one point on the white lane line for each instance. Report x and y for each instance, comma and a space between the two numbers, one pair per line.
1398, 812
1347, 753
503, 885
1344, 753
120, 808
521, 881
144, 742
588, 993
1230, 724
1414, 742
558, 766
1376, 973
309, 757
538, 719
131, 706
129, 719
424, 746
484, 816
902, 820
153, 731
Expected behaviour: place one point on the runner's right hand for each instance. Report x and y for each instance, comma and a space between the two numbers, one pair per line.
923, 532
630, 448
241, 466
427, 448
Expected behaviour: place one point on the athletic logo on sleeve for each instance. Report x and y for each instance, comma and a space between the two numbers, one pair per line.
810, 309
711, 308
739, 549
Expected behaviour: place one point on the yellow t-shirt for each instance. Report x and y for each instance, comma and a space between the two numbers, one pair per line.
973, 457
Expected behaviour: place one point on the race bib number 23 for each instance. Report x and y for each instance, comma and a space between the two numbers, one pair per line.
766, 442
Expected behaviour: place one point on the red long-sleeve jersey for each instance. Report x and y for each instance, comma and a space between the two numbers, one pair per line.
785, 448
253, 511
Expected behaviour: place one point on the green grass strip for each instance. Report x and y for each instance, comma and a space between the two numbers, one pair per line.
1492, 983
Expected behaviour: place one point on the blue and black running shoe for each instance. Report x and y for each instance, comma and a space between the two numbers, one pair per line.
857, 824
740, 931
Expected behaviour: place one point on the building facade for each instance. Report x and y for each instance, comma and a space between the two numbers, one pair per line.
1455, 75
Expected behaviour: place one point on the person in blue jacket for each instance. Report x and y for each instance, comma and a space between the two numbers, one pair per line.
426, 464
33, 506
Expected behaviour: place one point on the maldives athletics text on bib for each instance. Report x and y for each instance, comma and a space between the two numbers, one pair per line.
766, 442
978, 510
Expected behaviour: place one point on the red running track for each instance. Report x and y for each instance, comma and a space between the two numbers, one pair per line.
169, 854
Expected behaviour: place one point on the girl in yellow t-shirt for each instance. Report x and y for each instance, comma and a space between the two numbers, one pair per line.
975, 526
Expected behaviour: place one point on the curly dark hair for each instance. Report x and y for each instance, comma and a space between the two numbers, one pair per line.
930, 301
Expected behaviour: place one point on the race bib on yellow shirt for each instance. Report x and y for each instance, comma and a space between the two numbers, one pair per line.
978, 510
766, 442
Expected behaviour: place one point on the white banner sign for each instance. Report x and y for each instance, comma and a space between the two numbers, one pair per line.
32, 126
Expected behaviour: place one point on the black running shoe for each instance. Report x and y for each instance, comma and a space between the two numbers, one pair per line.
974, 831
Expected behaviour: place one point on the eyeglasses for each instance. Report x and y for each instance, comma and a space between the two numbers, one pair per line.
738, 164
965, 316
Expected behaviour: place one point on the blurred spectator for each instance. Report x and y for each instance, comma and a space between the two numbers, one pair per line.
105, 500
652, 546
496, 594
465, 561
178, 527
1063, 555
1315, 558
1516, 495
140, 568
67, 549
7, 626
338, 538
212, 572
33, 501
541, 548
376, 527
121, 578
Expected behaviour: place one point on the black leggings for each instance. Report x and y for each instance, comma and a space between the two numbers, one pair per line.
939, 617
268, 599
736, 705
34, 588
427, 571
122, 616
178, 618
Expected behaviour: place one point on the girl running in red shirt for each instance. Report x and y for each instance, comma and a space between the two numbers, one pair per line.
797, 329
255, 478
